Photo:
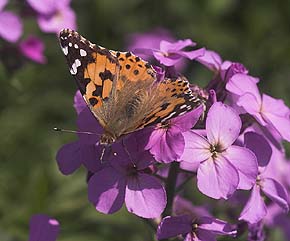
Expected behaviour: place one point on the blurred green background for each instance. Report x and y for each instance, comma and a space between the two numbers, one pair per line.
36, 98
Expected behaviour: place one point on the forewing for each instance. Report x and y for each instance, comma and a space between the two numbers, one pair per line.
133, 69
93, 67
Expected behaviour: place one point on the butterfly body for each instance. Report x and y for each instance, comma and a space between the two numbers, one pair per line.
121, 89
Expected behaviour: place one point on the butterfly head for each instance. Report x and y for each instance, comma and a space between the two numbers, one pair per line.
107, 139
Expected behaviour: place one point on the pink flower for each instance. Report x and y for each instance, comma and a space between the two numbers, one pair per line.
194, 223
223, 167
166, 141
256, 209
268, 111
10, 24
126, 178
33, 48
54, 15
170, 53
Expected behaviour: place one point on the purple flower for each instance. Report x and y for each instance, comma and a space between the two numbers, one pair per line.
43, 228
194, 223
255, 209
150, 39
10, 24
226, 69
223, 72
269, 112
85, 150
79, 102
126, 178
33, 48
54, 15
211, 60
166, 141
223, 167
170, 53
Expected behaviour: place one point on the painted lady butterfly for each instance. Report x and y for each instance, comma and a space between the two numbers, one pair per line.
121, 88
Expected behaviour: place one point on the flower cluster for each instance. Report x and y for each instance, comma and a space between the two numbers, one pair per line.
51, 16
236, 143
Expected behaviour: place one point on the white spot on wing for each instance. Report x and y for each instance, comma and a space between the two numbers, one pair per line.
83, 53
183, 106
76, 46
182, 113
75, 66
70, 44
65, 50
168, 117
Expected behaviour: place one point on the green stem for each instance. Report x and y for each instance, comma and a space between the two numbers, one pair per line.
170, 187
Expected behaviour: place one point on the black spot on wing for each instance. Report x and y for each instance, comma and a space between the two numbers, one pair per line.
93, 101
107, 74
98, 90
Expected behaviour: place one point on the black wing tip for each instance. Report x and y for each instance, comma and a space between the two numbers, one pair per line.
66, 31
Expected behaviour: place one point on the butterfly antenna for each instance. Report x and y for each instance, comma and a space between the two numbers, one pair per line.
75, 132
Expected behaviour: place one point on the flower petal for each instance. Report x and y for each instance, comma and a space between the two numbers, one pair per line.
33, 49
255, 209
192, 54
43, 7
168, 144
217, 178
251, 105
274, 106
188, 120
276, 113
223, 125
167, 60
216, 225
79, 102
64, 17
276, 192
43, 228
211, 60
259, 145
281, 124
90, 156
196, 149
173, 226
68, 158
245, 162
166, 46
241, 84
10, 26
86, 122
145, 196
109, 196
2, 4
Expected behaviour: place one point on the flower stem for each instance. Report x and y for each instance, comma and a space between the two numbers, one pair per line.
170, 187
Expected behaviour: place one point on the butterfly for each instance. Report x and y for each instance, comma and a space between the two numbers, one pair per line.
121, 89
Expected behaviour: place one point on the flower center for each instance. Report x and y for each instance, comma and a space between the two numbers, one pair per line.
259, 181
132, 170
215, 149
